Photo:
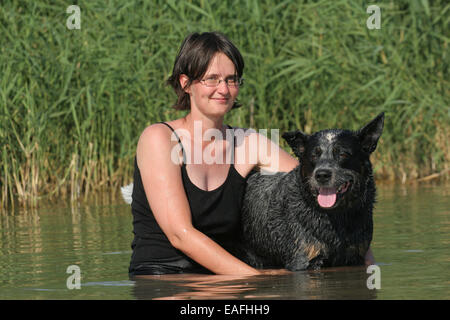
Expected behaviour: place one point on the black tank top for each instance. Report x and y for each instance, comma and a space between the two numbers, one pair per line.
216, 213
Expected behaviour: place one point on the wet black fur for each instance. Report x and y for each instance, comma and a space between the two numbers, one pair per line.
283, 224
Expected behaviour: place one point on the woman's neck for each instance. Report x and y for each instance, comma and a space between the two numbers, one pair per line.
200, 122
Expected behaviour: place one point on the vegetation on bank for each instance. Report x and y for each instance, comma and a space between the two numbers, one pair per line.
73, 102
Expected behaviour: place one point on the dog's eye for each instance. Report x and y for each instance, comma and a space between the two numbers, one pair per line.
316, 153
344, 155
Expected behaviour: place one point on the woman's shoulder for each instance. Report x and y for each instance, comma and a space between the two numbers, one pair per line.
157, 135
159, 130
156, 142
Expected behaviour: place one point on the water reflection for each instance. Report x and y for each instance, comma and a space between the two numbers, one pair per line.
333, 283
37, 246
410, 244
191, 286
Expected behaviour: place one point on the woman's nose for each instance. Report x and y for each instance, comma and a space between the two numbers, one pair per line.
223, 88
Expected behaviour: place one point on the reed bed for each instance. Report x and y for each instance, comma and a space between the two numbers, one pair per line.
73, 102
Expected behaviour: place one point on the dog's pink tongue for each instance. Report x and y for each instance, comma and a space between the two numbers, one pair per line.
326, 197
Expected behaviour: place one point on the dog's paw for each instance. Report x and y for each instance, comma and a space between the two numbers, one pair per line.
316, 263
253, 260
297, 264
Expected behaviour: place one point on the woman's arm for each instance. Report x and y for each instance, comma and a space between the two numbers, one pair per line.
271, 157
161, 178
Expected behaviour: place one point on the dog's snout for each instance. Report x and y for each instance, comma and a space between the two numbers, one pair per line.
323, 175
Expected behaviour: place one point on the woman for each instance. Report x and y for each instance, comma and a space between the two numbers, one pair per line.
186, 209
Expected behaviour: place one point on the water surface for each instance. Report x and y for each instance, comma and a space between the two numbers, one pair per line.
411, 245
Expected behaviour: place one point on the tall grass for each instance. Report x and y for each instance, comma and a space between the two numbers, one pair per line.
73, 102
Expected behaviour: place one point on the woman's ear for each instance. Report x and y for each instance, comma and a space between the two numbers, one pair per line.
184, 79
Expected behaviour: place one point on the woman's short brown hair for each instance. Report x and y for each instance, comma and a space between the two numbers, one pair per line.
193, 60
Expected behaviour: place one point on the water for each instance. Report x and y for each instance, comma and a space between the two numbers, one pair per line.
411, 246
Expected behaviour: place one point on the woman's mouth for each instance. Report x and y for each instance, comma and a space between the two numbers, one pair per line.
220, 100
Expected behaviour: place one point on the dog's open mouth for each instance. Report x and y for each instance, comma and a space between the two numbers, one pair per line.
327, 196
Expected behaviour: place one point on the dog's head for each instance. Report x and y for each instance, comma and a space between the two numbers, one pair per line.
334, 164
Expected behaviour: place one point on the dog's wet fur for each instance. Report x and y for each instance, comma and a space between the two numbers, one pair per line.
320, 213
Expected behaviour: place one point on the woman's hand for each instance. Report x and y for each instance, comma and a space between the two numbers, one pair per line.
274, 272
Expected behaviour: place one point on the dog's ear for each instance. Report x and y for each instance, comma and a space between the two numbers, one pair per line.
296, 140
370, 133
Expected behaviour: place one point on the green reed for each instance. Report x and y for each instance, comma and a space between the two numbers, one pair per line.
74, 102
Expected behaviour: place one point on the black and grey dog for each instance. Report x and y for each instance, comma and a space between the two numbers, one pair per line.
320, 213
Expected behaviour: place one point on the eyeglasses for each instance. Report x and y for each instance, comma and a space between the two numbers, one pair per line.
233, 82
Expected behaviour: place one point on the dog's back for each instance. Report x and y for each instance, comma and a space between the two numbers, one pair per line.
261, 210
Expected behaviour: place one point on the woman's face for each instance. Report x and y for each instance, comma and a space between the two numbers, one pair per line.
214, 101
